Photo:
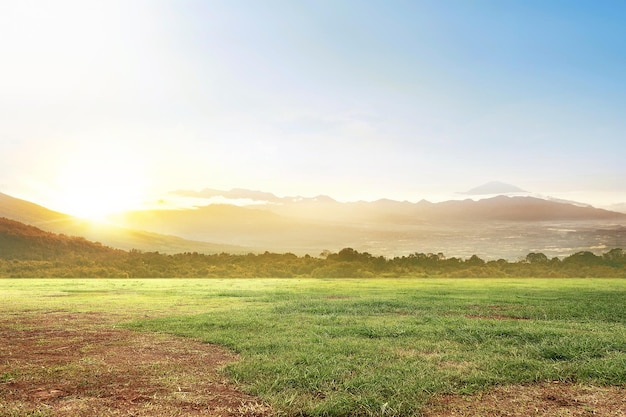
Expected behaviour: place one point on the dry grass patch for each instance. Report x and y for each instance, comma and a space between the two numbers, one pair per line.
68, 364
550, 399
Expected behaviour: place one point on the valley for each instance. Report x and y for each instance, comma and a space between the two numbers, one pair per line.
500, 227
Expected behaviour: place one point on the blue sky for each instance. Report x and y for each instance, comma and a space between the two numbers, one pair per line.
118, 102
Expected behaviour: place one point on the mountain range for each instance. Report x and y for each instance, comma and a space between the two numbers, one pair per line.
508, 225
512, 204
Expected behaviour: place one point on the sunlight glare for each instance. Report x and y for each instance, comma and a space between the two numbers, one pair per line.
99, 182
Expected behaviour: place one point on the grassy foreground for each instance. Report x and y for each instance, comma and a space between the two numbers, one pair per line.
369, 347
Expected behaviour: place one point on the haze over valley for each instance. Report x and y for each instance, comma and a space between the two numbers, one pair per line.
508, 225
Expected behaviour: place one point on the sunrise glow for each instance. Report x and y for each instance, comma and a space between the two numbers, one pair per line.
94, 183
355, 100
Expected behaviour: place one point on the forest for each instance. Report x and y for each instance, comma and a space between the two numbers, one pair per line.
26, 251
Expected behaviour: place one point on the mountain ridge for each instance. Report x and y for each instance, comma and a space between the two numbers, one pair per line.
550, 208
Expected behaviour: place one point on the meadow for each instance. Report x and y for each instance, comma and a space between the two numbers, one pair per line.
358, 347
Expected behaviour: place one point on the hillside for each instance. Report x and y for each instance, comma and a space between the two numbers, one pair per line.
29, 213
21, 241
110, 235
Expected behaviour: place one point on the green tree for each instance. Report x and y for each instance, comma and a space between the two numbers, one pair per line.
536, 258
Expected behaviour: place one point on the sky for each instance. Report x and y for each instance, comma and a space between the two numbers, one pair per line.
108, 105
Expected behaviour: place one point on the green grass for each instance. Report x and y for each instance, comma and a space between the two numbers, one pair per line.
370, 347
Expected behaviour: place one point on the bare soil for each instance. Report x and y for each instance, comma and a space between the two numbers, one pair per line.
79, 364
549, 399
67, 364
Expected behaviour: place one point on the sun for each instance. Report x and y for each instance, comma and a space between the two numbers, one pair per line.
100, 182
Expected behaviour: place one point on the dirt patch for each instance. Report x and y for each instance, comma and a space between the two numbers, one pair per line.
67, 364
550, 399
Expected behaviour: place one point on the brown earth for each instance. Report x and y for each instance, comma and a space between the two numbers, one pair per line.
67, 364
549, 399
79, 364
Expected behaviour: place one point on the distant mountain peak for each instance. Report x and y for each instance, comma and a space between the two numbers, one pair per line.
494, 187
323, 199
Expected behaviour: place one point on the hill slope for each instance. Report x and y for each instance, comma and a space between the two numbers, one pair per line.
115, 236
21, 241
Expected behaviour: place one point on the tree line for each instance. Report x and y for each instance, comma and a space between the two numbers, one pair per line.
347, 263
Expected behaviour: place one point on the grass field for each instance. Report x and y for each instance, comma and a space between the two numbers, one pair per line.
368, 347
